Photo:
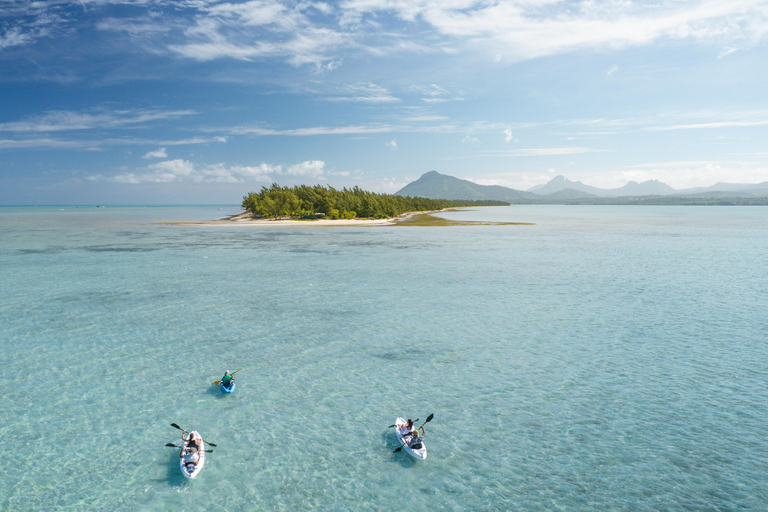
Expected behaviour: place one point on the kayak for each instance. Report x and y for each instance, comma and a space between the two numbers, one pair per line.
418, 454
225, 389
193, 471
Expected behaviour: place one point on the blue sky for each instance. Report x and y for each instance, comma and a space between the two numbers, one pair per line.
201, 101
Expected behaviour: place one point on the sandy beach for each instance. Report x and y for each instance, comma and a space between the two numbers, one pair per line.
246, 219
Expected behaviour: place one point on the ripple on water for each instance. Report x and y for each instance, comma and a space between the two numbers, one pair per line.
603, 359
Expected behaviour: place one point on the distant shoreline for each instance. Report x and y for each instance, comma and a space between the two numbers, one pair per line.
247, 219
422, 218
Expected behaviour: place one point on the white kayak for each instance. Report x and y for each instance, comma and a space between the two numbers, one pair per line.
188, 469
420, 453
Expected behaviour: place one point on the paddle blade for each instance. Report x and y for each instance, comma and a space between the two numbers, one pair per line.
206, 442
395, 451
171, 445
176, 426
216, 382
429, 418
234, 372
391, 426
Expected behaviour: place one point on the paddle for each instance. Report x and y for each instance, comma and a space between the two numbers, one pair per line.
417, 419
234, 372
429, 418
178, 427
171, 445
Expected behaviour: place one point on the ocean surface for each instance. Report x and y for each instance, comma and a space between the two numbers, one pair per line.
605, 358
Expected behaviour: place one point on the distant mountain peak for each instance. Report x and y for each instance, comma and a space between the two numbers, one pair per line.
560, 183
434, 185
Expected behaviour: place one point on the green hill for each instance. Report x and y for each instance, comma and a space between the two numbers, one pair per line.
434, 185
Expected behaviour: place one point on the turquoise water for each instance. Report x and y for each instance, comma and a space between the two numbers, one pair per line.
604, 358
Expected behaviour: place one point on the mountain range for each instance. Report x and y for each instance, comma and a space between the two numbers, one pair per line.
560, 190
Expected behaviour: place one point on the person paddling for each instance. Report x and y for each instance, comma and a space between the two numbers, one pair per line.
227, 379
406, 429
192, 441
191, 451
414, 441
191, 457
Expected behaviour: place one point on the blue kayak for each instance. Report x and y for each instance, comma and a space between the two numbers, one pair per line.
230, 389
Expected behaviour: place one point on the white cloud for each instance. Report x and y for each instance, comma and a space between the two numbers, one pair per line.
260, 29
97, 145
392, 145
434, 93
176, 167
14, 37
311, 168
35, 22
366, 93
135, 27
612, 70
315, 130
470, 140
158, 153
161, 172
322, 33
525, 29
508, 135
424, 118
727, 52
64, 120
172, 171
716, 124
544, 151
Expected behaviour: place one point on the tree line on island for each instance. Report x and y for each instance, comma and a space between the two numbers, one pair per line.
303, 201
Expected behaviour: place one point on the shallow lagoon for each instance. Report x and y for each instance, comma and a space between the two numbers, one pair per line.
603, 358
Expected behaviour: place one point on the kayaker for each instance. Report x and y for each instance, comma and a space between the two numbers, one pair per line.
406, 429
192, 441
227, 379
191, 456
414, 441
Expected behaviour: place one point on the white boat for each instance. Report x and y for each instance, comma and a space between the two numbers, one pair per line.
192, 471
419, 453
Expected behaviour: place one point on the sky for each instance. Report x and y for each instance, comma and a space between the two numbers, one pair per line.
204, 101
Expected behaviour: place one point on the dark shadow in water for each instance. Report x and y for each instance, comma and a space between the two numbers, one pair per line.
120, 249
175, 478
216, 392
391, 443
406, 353
95, 297
49, 250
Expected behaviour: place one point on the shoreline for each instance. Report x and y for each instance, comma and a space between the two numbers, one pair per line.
421, 219
245, 219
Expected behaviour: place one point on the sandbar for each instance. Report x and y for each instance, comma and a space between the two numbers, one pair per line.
406, 219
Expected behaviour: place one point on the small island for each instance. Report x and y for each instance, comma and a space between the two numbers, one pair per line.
320, 205
312, 202
317, 205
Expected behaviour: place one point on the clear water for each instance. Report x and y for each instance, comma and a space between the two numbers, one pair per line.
605, 358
